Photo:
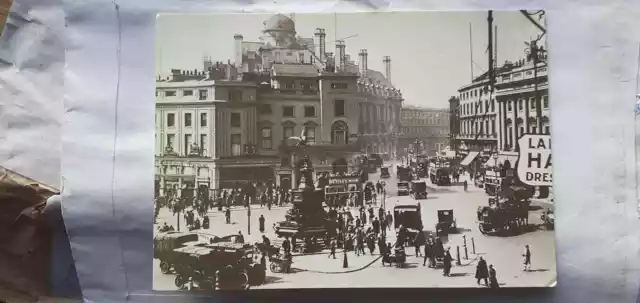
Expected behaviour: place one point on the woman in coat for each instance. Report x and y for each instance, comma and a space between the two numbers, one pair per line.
482, 273
493, 281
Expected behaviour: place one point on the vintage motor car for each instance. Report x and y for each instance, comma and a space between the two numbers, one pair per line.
446, 222
384, 172
164, 245
403, 189
507, 216
419, 189
409, 216
231, 265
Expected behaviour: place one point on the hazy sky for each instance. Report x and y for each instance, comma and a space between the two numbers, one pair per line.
430, 53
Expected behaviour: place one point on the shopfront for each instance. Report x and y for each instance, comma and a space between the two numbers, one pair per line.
238, 177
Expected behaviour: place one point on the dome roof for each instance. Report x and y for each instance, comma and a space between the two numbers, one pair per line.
280, 22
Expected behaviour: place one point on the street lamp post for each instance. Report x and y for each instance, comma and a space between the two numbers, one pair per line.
495, 166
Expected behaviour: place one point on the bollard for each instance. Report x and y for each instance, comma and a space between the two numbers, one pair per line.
473, 245
345, 262
466, 253
464, 239
458, 254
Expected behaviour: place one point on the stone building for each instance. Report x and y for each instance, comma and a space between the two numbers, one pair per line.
428, 126
229, 124
490, 125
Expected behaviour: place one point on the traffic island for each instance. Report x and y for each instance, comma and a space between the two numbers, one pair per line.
326, 264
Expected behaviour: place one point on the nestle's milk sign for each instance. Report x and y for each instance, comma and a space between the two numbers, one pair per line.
534, 161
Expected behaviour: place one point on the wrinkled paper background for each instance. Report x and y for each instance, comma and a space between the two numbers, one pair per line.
103, 99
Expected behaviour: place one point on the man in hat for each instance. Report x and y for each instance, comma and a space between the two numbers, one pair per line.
447, 260
527, 258
482, 271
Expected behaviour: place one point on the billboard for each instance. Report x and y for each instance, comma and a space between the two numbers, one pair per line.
534, 160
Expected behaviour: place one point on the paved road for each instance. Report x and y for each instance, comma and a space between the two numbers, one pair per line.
503, 252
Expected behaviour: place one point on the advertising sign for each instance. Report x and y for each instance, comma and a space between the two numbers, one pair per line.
343, 181
534, 160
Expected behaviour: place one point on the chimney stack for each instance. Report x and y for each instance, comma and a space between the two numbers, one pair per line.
387, 65
363, 62
320, 43
340, 54
238, 50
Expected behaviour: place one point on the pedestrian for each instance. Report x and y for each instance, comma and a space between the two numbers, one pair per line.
286, 245
261, 223
482, 273
527, 258
240, 238
389, 219
418, 241
376, 226
427, 254
447, 260
333, 249
382, 247
205, 222
360, 244
493, 280
227, 215
464, 185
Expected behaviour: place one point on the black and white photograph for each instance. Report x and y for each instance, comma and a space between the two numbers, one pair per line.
353, 150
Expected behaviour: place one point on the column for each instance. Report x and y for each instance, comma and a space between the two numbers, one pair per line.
526, 115
214, 175
162, 183
514, 128
503, 127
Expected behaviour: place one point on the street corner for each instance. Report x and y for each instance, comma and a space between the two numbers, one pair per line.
324, 263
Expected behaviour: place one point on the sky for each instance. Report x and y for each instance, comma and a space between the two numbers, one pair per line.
430, 51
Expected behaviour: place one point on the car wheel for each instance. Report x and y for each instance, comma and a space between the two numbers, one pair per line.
482, 229
243, 280
165, 267
180, 282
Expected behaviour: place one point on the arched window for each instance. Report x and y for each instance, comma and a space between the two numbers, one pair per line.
339, 133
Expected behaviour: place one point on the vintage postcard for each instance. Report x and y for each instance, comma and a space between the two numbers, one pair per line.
395, 150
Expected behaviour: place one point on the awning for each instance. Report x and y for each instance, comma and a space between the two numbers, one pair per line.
470, 157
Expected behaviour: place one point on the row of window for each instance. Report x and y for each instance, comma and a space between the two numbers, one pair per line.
188, 120
288, 111
490, 128
532, 103
478, 108
338, 136
430, 121
472, 93
234, 94
478, 126
188, 144
202, 93
424, 131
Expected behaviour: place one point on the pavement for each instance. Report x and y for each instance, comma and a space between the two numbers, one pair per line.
319, 271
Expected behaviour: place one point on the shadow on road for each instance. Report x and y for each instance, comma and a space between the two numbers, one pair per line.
459, 274
462, 230
273, 280
538, 270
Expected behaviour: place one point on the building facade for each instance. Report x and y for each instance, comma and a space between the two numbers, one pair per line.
428, 126
490, 124
232, 122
